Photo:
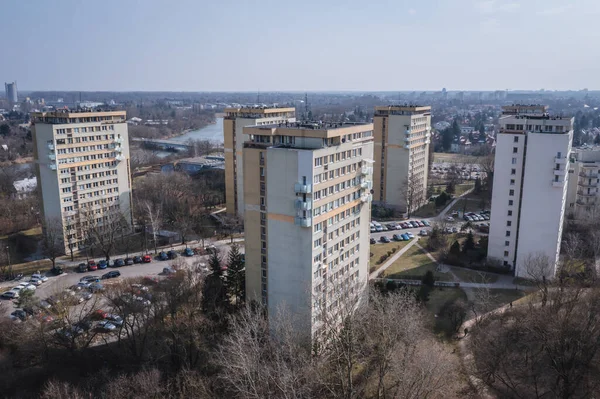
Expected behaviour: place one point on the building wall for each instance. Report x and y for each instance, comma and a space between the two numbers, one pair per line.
501, 206
252, 223
543, 202
228, 140
380, 130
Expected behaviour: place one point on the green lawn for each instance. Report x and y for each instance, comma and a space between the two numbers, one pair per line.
474, 276
379, 249
439, 157
414, 262
428, 210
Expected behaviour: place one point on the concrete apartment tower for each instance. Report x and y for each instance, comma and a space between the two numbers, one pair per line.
402, 137
234, 121
584, 180
11, 92
530, 187
307, 190
82, 166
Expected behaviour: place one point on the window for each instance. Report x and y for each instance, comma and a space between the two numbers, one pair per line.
508, 223
506, 243
512, 182
509, 213
318, 161
515, 149
505, 253
510, 202
513, 171
507, 233
516, 139
511, 192
514, 161
558, 154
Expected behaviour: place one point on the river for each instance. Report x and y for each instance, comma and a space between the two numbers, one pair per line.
212, 132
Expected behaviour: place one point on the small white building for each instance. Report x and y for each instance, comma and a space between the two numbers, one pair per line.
24, 187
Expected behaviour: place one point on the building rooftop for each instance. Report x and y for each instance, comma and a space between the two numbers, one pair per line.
260, 108
405, 107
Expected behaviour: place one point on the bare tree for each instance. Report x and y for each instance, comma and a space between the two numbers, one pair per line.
413, 192
154, 218
540, 268
105, 228
53, 243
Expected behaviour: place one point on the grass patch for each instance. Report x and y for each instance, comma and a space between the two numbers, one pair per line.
501, 297
523, 281
466, 205
428, 210
380, 249
474, 276
414, 262
441, 157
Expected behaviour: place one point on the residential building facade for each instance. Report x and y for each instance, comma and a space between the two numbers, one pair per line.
530, 187
233, 134
307, 190
584, 180
83, 170
11, 92
402, 136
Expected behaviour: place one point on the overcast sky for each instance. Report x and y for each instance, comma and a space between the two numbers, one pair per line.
306, 45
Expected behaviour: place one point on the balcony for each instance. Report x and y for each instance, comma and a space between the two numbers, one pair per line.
587, 183
366, 170
589, 175
118, 140
559, 172
52, 166
302, 205
52, 157
303, 188
407, 132
559, 183
302, 222
367, 185
119, 158
586, 194
119, 149
51, 147
407, 140
560, 161
366, 198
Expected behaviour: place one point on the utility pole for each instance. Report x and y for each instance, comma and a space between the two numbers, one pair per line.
10, 273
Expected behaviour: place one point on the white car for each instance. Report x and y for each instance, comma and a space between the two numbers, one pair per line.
40, 277
27, 286
106, 325
423, 233
449, 219
35, 281
84, 284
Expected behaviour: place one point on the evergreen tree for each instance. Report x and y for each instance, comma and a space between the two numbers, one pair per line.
597, 139
447, 139
450, 187
215, 300
455, 248
455, 128
469, 243
477, 188
428, 279
236, 274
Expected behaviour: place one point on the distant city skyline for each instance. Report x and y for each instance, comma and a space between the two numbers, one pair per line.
470, 45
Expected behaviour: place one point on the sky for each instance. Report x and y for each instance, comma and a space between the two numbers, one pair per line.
304, 45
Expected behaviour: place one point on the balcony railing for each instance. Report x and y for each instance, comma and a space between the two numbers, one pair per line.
559, 183
52, 166
366, 198
303, 188
52, 157
366, 185
366, 170
303, 222
51, 147
588, 176
560, 161
302, 205
587, 183
119, 158
586, 194
559, 172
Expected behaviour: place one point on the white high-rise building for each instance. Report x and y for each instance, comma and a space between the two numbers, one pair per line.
584, 182
83, 171
530, 186
11, 92
307, 193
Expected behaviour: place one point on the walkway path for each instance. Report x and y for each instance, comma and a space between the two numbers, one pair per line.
454, 201
391, 260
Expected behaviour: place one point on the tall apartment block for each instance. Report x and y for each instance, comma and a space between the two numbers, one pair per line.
82, 166
402, 137
584, 180
530, 186
11, 92
233, 124
307, 189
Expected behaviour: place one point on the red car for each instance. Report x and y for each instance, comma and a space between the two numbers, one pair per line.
146, 258
92, 266
99, 314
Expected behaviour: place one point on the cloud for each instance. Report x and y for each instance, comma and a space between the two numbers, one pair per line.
489, 25
556, 10
495, 6
412, 11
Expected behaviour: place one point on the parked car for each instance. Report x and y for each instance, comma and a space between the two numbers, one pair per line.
146, 258
39, 277
426, 223
92, 266
90, 279
111, 274
105, 326
27, 286
44, 304
188, 252
406, 237
391, 226
84, 284
99, 315
19, 314
128, 261
163, 256
114, 319
454, 230
449, 219
373, 229
82, 268
410, 235
423, 233
56, 270
379, 228
397, 237
172, 254
35, 282
137, 259
373, 241
102, 264
10, 294
384, 239
466, 217
96, 287
118, 263
168, 270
